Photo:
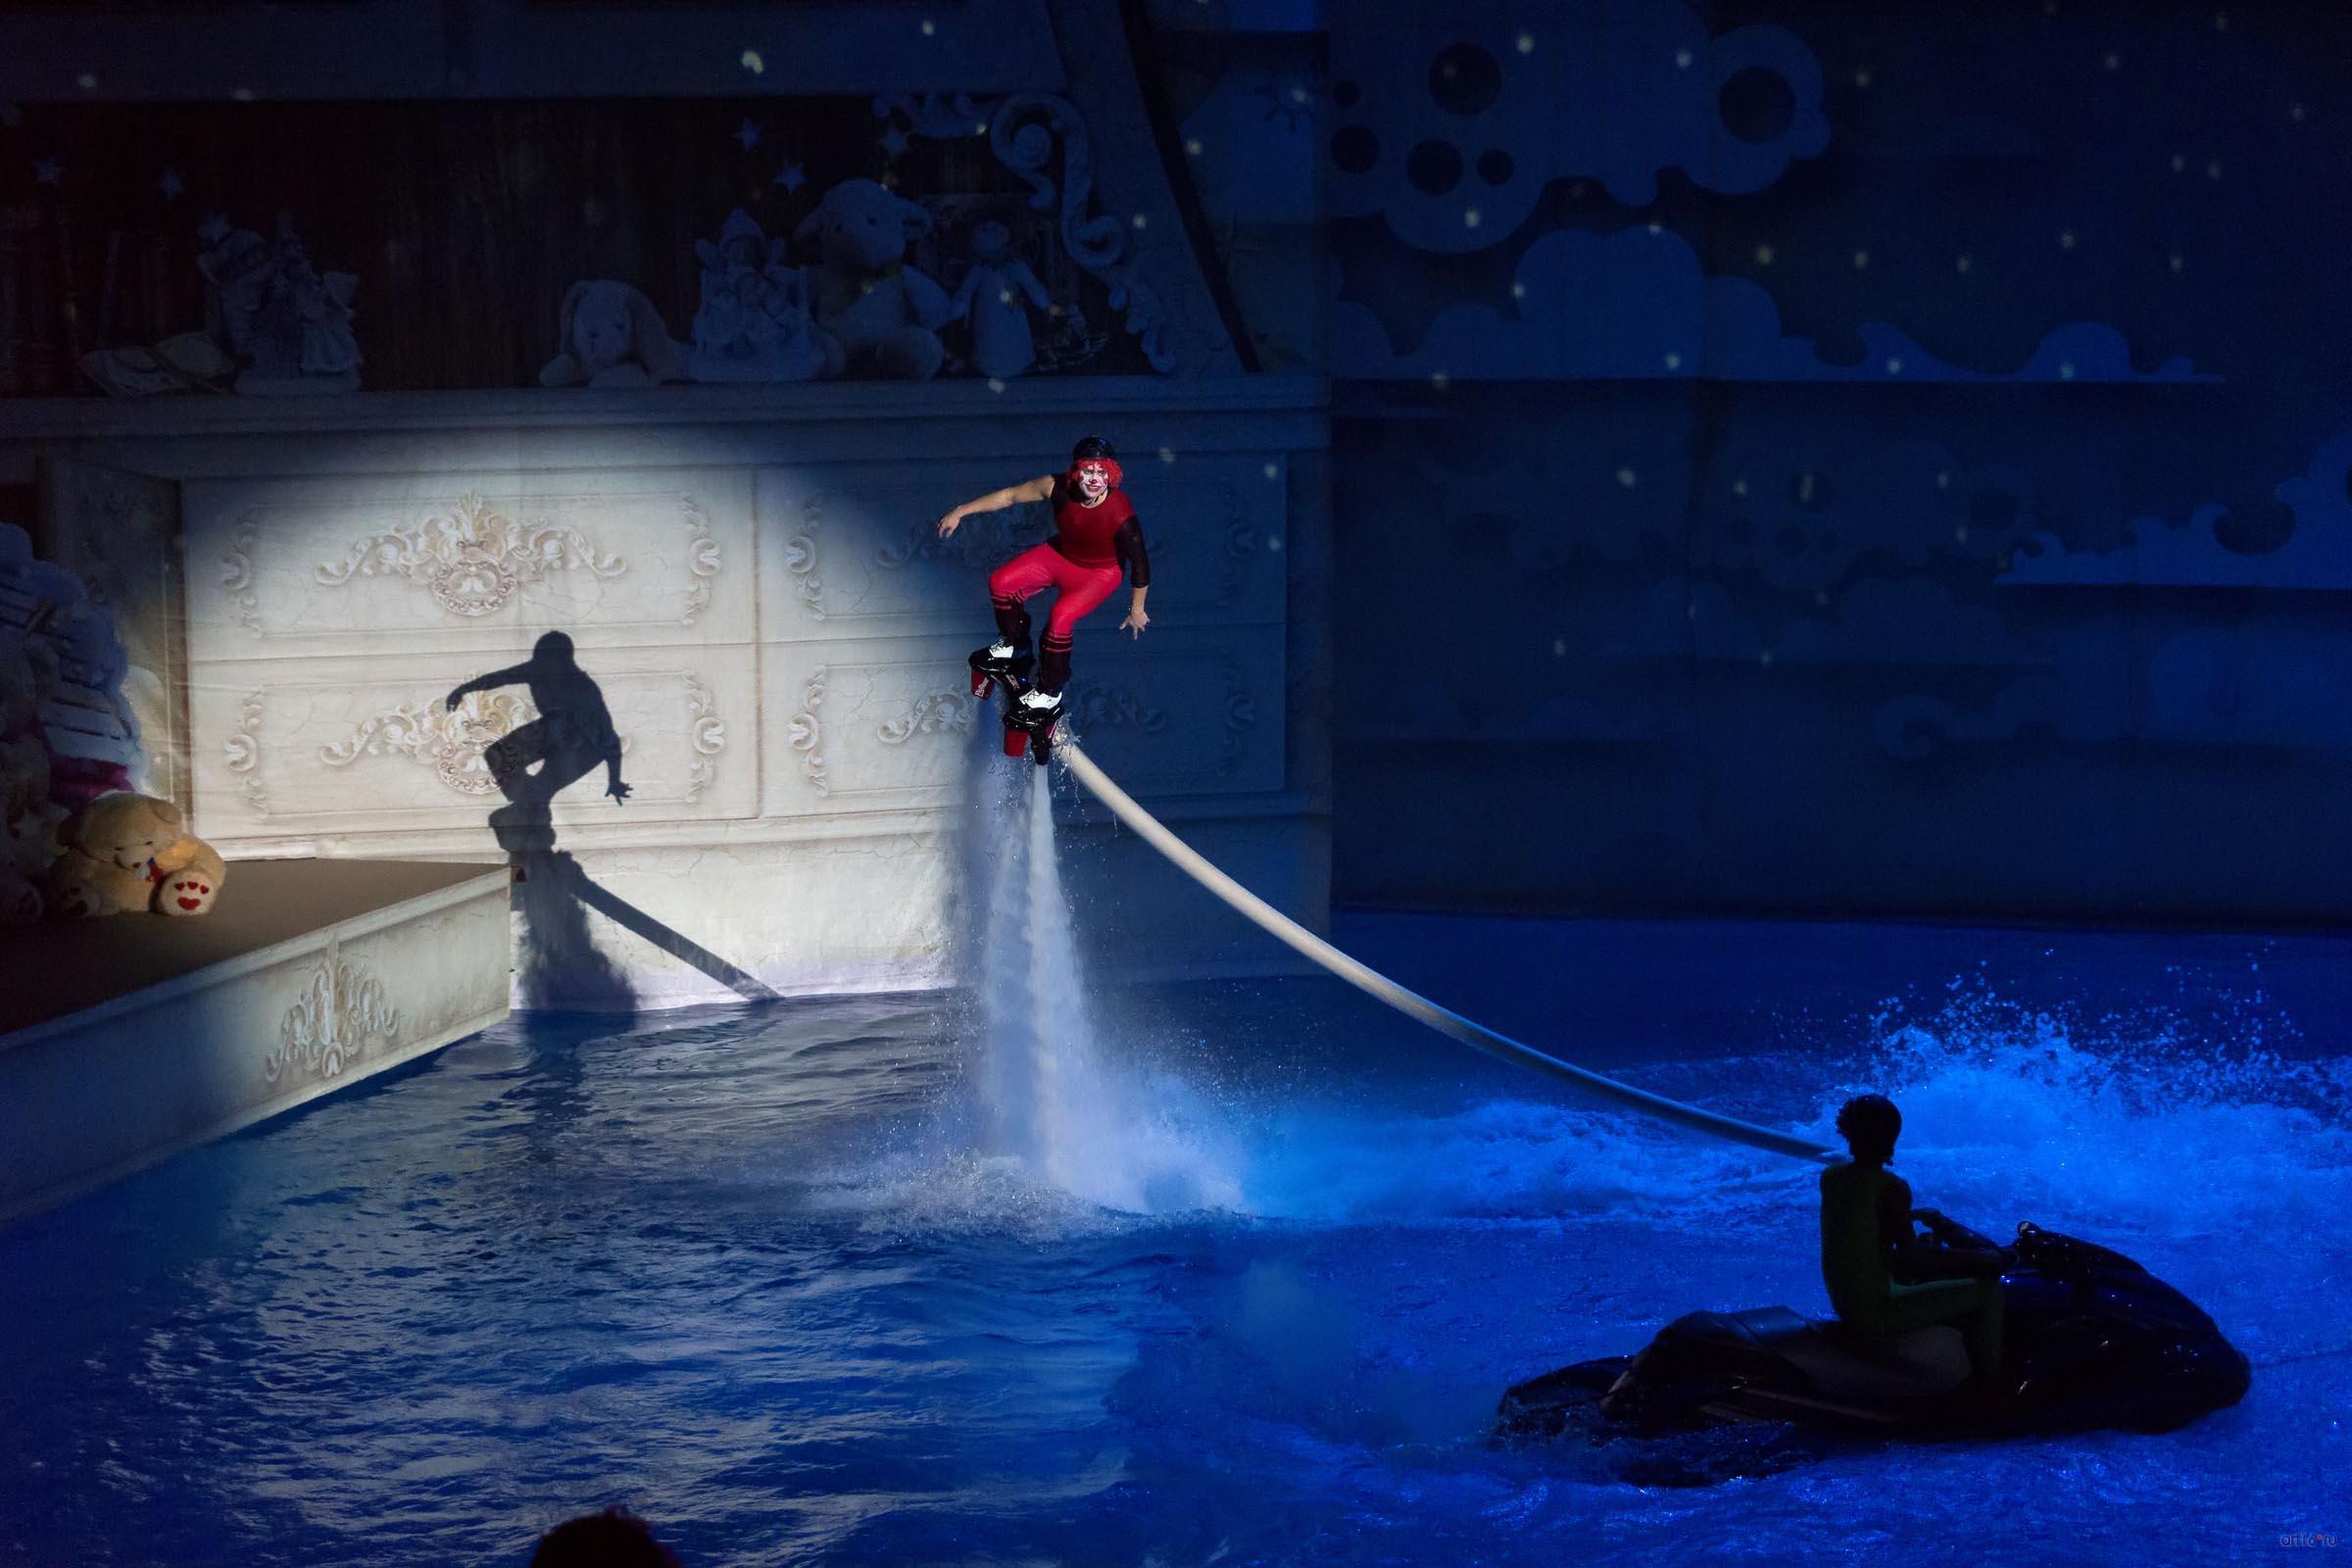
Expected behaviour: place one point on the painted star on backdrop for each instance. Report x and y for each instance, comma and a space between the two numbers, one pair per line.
47, 170
790, 177
171, 185
894, 141
748, 133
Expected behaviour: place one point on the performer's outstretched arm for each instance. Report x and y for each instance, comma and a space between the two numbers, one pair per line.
1040, 488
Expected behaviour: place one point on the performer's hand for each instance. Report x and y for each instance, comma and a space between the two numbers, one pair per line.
950, 523
619, 791
1136, 621
449, 703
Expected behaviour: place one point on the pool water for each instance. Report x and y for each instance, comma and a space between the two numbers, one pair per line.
755, 1273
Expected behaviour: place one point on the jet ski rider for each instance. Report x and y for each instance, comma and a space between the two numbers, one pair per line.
1883, 1279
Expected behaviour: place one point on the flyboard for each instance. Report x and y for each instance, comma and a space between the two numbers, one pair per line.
1028, 731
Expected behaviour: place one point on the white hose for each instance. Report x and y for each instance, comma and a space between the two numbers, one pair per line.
1411, 1002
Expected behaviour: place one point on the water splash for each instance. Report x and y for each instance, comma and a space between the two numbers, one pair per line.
2123, 1122
2121, 1127
1045, 1098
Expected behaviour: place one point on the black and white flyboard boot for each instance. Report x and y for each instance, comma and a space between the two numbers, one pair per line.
1029, 724
1002, 662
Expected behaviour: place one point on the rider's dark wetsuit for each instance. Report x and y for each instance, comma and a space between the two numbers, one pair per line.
1865, 1227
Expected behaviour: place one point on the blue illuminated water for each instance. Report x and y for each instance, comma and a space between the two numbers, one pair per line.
756, 1274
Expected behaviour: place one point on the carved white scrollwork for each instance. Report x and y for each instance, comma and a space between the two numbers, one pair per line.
1241, 542
706, 733
950, 712
702, 557
1096, 705
1240, 719
452, 744
236, 574
244, 747
805, 734
341, 1010
474, 558
1100, 706
799, 558
980, 540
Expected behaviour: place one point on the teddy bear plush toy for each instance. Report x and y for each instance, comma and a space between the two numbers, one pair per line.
613, 336
882, 316
134, 852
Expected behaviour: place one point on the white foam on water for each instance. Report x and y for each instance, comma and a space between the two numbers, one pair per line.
2122, 1123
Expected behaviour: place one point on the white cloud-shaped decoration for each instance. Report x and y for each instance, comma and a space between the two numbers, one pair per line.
2316, 554
1449, 121
1634, 305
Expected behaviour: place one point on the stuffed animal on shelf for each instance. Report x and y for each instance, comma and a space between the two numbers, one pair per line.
29, 824
613, 336
128, 851
989, 303
188, 363
29, 818
754, 323
288, 324
882, 316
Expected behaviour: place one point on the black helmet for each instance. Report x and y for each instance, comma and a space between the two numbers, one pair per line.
1091, 448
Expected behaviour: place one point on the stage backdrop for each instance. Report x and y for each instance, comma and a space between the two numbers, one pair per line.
1802, 458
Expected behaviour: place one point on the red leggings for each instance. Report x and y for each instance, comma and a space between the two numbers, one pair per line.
1081, 589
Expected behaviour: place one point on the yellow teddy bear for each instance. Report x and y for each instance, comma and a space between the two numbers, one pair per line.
134, 852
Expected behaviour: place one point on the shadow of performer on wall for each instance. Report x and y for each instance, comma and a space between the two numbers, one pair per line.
558, 965
562, 968
573, 733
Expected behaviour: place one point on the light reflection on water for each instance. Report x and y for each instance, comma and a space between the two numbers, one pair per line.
745, 1272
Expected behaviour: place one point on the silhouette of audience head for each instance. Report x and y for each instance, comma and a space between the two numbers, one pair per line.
1869, 1124
553, 647
613, 1538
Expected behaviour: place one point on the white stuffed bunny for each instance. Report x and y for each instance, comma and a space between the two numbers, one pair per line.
613, 336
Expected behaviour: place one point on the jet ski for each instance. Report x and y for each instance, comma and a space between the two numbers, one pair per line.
2091, 1339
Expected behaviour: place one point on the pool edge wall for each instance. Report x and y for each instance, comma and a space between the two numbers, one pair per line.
110, 1089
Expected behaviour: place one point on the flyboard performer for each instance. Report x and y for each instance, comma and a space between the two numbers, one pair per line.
1097, 542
